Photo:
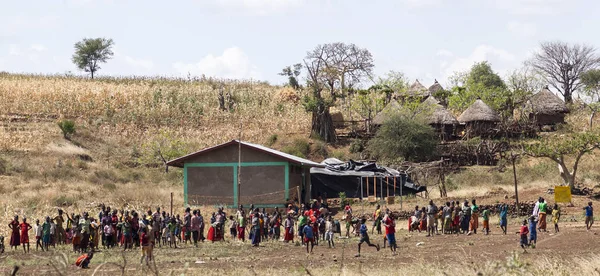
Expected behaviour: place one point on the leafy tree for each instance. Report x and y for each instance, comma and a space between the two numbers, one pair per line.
393, 82
399, 136
292, 72
165, 146
367, 103
480, 82
336, 68
591, 88
90, 52
560, 148
562, 65
521, 84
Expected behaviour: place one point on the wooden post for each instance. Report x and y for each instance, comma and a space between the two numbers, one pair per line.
395, 185
375, 187
367, 187
361, 188
387, 185
171, 203
298, 190
513, 157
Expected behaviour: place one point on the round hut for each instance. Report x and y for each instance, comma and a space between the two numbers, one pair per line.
392, 108
546, 109
441, 119
479, 119
416, 91
434, 88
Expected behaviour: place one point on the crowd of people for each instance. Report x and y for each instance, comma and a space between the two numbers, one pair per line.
312, 224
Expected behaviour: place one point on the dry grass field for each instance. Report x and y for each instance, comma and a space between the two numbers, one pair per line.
112, 159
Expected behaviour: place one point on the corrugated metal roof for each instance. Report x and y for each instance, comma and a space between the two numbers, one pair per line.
291, 158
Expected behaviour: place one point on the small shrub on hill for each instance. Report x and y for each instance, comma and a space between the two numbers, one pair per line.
299, 147
271, 140
67, 127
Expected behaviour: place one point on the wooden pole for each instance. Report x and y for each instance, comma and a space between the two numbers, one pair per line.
367, 187
513, 157
361, 188
387, 185
401, 185
395, 185
171, 203
375, 187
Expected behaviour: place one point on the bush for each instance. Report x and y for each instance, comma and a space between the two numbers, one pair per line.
63, 200
340, 155
343, 199
299, 147
271, 140
67, 127
356, 146
321, 149
402, 137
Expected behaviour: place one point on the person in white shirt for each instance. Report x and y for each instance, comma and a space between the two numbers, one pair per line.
52, 233
329, 232
37, 229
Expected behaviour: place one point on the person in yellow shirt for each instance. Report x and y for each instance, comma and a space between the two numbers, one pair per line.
556, 217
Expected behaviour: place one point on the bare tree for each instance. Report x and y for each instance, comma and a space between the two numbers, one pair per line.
335, 67
562, 65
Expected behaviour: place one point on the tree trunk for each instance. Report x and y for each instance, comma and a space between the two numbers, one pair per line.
567, 93
592, 118
92, 73
322, 124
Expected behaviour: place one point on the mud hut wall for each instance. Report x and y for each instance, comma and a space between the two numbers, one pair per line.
479, 128
546, 119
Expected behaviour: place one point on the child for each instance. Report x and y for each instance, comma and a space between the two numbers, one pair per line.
84, 260
556, 217
364, 236
532, 231
485, 215
233, 227
25, 227
329, 232
503, 215
589, 215
178, 227
46, 233
390, 232
172, 228
524, 232
108, 233
146, 246
38, 235
309, 236
126, 230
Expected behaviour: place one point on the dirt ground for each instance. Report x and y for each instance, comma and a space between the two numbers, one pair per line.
416, 251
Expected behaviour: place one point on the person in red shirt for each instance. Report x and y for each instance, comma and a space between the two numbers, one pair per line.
146, 247
390, 231
25, 227
84, 260
524, 232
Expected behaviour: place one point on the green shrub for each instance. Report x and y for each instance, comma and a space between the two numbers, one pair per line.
299, 147
67, 127
343, 199
340, 155
271, 140
321, 149
356, 146
401, 137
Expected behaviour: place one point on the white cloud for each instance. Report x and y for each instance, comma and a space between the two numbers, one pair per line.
139, 63
444, 53
17, 24
522, 28
14, 50
38, 47
532, 7
233, 63
501, 59
32, 52
256, 7
420, 3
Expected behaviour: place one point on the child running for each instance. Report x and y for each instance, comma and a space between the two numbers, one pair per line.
364, 236
524, 232
589, 216
556, 217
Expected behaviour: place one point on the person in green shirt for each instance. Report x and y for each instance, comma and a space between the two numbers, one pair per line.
474, 223
126, 230
84, 225
46, 233
172, 227
485, 215
301, 223
542, 215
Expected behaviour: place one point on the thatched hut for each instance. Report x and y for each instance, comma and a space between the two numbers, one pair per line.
441, 119
479, 119
546, 109
392, 108
415, 91
433, 89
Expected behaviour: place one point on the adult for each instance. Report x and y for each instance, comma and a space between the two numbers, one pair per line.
447, 219
377, 220
60, 237
474, 217
543, 209
195, 227
288, 229
241, 218
431, 213
84, 225
15, 238
276, 224
187, 225
466, 217
256, 228
25, 227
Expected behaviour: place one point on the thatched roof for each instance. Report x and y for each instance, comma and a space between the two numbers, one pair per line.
547, 103
417, 90
440, 115
435, 87
479, 112
388, 111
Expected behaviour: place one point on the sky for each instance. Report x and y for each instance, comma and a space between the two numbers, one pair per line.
255, 39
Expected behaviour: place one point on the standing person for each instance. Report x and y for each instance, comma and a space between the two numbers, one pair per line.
276, 222
156, 225
25, 227
309, 237
233, 226
543, 206
127, 234
474, 218
532, 231
503, 217
321, 223
466, 217
485, 215
187, 225
536, 208
390, 232
195, 227
15, 238
201, 232
377, 220
59, 220
556, 217
107, 237
302, 220
447, 219
241, 217
423, 220
431, 212
146, 246
46, 233
329, 232
364, 236
172, 232
456, 218
524, 232
255, 229
348, 222
589, 216
288, 229
84, 224
38, 235
53, 233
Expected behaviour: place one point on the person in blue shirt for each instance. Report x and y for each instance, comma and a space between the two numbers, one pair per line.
309, 236
532, 231
503, 215
364, 236
589, 215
